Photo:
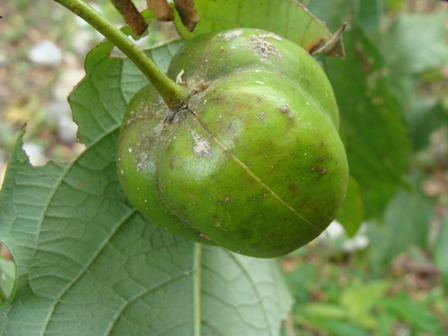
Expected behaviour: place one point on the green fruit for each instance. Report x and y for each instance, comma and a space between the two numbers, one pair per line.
254, 163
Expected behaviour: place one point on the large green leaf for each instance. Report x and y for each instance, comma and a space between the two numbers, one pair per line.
440, 250
284, 17
423, 118
7, 277
99, 101
377, 142
351, 214
371, 116
89, 264
406, 223
328, 318
369, 15
332, 12
360, 301
414, 43
415, 313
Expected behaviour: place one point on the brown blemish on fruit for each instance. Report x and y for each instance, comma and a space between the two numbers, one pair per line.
227, 199
320, 170
197, 87
265, 48
201, 235
285, 109
292, 187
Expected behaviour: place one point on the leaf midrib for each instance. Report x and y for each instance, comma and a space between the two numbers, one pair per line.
197, 289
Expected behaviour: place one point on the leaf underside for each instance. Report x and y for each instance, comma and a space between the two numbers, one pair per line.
287, 18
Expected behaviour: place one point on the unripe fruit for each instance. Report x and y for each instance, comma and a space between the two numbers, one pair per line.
254, 163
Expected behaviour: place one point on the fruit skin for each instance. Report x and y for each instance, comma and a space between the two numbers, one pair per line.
254, 163
214, 56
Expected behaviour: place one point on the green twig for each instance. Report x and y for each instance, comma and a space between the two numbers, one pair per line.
174, 95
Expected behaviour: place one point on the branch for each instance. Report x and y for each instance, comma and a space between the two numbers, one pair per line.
173, 94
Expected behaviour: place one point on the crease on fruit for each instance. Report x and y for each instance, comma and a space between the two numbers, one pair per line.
246, 168
162, 198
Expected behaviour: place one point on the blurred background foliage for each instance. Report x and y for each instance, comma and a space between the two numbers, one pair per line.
391, 278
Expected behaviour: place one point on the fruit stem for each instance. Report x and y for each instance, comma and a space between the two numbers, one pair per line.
173, 94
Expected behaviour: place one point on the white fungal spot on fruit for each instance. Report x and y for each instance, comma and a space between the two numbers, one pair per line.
274, 36
159, 128
265, 48
201, 145
230, 35
141, 164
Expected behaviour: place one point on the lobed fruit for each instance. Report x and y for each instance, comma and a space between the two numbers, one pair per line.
254, 162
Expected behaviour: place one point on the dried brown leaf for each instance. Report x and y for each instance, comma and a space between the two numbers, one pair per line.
162, 11
333, 47
187, 13
132, 16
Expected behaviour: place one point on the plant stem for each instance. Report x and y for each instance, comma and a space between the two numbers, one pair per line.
173, 95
